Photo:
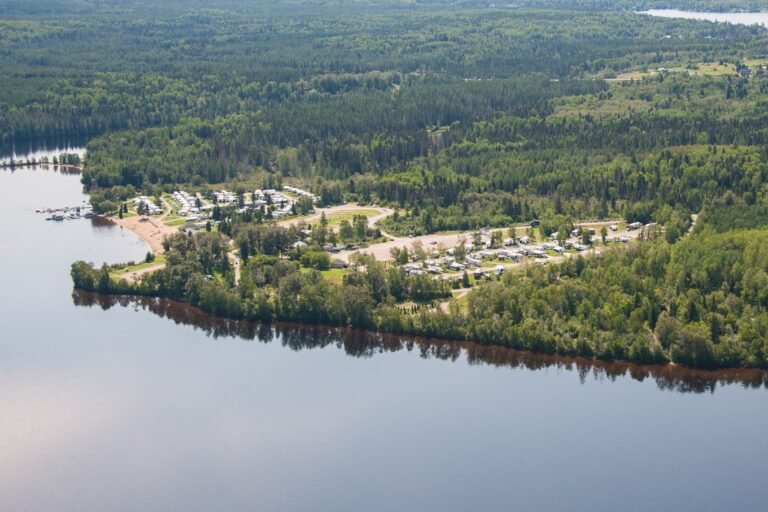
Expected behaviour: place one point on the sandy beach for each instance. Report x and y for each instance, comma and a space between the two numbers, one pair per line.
152, 231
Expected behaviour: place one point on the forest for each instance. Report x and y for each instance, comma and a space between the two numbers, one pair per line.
457, 115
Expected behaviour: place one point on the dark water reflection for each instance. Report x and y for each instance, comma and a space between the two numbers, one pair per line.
38, 148
364, 344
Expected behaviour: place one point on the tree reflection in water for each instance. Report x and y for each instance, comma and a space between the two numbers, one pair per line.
359, 343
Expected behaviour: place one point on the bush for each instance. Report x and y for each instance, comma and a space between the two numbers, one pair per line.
318, 260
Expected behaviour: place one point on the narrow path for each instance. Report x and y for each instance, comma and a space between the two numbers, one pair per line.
234, 259
694, 218
167, 209
457, 294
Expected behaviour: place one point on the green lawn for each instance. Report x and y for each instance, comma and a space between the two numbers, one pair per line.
463, 303
334, 219
700, 69
334, 275
159, 260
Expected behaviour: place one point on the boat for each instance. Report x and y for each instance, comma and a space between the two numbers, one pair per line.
57, 216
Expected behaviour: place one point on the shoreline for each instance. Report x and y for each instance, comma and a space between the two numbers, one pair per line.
151, 231
492, 354
68, 167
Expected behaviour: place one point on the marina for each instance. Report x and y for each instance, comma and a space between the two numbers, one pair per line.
84, 211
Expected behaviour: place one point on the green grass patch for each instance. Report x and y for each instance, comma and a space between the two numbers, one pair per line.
119, 271
333, 275
463, 303
334, 219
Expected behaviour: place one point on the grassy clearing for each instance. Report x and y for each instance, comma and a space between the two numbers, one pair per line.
334, 275
335, 218
708, 69
159, 260
463, 303
593, 106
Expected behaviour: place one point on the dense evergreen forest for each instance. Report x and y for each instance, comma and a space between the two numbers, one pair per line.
458, 115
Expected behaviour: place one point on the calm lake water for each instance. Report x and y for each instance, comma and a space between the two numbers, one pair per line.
740, 18
110, 405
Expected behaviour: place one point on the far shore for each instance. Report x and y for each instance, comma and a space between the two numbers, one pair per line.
152, 231
15, 165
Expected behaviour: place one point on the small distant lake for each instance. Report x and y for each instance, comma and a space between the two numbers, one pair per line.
739, 18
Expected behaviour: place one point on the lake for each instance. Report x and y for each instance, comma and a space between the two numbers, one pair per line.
739, 18
122, 405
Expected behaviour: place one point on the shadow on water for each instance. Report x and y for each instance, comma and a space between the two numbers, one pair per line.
359, 343
55, 144
69, 170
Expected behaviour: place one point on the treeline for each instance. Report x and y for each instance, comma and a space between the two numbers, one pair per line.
198, 271
332, 137
517, 186
113, 67
701, 302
